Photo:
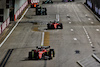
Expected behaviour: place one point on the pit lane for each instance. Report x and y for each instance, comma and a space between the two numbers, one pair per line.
65, 42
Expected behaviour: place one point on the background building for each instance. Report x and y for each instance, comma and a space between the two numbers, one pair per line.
94, 5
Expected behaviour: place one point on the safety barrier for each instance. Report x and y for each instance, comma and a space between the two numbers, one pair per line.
94, 6
89, 4
99, 11
19, 11
96, 9
4, 25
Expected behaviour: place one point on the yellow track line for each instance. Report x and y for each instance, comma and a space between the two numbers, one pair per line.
46, 39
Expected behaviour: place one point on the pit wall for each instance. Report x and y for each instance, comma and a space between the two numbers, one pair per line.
4, 25
19, 7
94, 5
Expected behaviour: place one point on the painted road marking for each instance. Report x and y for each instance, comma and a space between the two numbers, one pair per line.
42, 41
90, 42
70, 22
92, 22
83, 26
72, 30
89, 18
97, 30
57, 17
76, 14
46, 39
87, 35
75, 38
91, 45
14, 27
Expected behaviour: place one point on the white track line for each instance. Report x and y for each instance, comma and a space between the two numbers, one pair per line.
70, 22
80, 64
57, 17
97, 30
88, 36
13, 28
96, 57
42, 41
83, 26
71, 29
76, 13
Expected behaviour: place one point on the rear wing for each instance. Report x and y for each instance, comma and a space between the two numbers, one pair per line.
42, 47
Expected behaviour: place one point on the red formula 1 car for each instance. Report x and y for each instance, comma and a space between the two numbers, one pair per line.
42, 53
54, 25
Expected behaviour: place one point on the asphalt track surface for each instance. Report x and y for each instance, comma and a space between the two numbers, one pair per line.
74, 42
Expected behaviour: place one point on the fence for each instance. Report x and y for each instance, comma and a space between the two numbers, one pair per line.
19, 11
4, 25
94, 5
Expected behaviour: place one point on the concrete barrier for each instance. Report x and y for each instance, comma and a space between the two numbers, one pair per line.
19, 11
92, 12
4, 25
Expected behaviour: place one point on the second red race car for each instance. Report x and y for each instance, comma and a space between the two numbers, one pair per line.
54, 25
42, 53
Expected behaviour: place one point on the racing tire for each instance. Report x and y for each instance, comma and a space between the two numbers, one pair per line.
52, 27
33, 54
51, 53
43, 2
51, 1
45, 13
30, 55
61, 26
48, 26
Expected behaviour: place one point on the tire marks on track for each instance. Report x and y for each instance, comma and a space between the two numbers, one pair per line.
6, 58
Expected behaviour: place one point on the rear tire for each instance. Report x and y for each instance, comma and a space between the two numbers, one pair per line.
43, 2
51, 1
30, 55
48, 26
51, 53
61, 26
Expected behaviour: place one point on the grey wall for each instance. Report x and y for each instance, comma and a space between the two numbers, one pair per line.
6, 11
18, 4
